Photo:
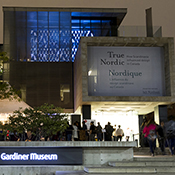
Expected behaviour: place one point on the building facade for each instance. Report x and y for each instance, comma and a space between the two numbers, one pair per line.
93, 59
43, 43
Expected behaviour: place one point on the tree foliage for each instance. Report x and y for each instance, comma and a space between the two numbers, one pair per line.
6, 91
43, 121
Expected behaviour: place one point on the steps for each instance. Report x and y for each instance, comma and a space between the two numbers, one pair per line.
140, 165
146, 151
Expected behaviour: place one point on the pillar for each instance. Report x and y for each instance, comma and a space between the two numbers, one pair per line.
160, 114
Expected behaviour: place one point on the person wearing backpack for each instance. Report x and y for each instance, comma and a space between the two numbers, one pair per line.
150, 133
170, 135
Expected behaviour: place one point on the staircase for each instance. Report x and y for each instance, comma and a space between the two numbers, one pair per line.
146, 151
147, 165
142, 163
161, 165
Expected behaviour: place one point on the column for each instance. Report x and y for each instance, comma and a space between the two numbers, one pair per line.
160, 114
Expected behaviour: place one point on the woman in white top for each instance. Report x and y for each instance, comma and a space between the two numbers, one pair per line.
75, 132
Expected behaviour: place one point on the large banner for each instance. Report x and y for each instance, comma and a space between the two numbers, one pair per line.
126, 71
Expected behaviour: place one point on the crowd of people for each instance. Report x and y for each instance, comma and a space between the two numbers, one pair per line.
95, 133
165, 133
75, 132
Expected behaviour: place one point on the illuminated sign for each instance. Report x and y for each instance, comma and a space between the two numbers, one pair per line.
40, 156
31, 156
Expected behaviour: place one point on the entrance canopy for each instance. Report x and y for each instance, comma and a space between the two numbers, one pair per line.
141, 108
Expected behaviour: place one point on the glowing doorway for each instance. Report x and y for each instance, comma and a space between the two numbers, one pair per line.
125, 119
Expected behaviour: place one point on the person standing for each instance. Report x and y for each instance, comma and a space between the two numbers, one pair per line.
69, 132
150, 133
83, 132
75, 131
119, 133
127, 134
92, 132
99, 132
109, 130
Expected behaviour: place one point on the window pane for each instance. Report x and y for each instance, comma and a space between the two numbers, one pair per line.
42, 19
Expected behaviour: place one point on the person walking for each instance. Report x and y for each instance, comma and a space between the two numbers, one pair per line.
150, 133
161, 137
119, 133
170, 134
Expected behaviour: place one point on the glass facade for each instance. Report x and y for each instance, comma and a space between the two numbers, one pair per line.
42, 44
51, 36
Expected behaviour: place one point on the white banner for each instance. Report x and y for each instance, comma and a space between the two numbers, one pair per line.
125, 71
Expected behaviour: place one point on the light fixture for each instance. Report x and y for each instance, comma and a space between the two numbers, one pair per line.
89, 72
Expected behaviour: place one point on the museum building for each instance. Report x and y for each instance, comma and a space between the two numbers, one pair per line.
78, 59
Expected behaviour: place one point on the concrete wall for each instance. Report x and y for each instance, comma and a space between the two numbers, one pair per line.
162, 10
83, 144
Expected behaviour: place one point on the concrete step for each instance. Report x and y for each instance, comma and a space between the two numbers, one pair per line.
131, 170
165, 158
70, 173
141, 164
84, 173
146, 151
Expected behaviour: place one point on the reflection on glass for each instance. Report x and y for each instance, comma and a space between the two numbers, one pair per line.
65, 93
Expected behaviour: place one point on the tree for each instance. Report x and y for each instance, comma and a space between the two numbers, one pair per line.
45, 121
6, 91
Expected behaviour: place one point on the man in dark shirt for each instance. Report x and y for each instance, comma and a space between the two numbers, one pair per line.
161, 136
69, 132
92, 132
109, 131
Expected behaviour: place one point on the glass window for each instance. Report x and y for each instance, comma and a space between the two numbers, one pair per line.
42, 19
95, 23
53, 20
85, 24
32, 19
